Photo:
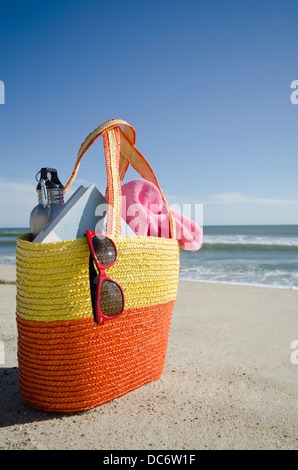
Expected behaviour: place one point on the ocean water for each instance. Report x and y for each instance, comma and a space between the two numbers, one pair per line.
250, 255
8, 238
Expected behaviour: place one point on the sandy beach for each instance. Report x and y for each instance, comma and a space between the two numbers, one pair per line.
229, 382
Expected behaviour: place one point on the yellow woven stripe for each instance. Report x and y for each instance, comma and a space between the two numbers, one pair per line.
53, 278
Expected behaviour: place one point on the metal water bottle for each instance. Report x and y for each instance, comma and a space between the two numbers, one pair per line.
50, 192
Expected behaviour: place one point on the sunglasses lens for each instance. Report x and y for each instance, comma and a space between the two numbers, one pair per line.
111, 298
104, 250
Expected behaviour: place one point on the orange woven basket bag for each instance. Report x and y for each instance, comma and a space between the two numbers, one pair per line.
67, 362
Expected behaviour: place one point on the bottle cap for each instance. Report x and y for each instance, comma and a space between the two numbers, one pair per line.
49, 176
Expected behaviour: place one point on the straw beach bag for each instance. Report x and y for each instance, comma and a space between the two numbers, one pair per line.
67, 362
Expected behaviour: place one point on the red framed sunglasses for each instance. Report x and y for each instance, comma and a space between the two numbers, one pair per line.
106, 294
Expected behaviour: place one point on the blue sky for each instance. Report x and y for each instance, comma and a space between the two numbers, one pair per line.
206, 85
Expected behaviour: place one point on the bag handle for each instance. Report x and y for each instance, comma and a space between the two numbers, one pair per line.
128, 130
120, 151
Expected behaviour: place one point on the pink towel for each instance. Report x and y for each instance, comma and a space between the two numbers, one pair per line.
144, 211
